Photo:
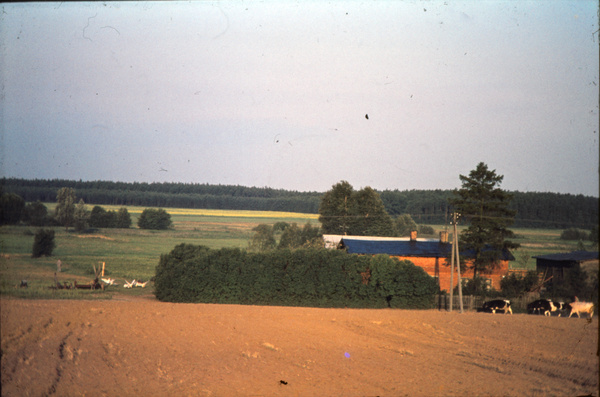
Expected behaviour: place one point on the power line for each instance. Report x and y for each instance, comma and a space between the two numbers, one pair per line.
471, 216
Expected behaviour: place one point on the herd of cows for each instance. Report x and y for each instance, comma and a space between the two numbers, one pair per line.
543, 306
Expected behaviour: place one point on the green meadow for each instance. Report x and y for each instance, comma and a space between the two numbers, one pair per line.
126, 253
134, 253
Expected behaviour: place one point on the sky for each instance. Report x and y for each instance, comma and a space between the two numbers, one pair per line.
300, 95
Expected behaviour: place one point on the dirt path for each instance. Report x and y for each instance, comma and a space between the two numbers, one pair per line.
139, 346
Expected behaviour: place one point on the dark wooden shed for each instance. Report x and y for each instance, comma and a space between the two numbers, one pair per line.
557, 265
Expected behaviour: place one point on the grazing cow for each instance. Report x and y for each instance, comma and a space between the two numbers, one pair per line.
561, 307
544, 306
498, 304
582, 307
23, 283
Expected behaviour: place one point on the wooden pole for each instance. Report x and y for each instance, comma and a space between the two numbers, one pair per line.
452, 266
458, 265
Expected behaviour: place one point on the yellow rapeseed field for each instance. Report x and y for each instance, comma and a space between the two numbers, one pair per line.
205, 212
234, 213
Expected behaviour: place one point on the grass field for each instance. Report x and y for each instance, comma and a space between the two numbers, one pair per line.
134, 253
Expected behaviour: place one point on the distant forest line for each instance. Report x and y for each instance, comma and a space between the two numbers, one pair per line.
534, 210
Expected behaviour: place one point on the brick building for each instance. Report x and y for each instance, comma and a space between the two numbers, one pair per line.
429, 254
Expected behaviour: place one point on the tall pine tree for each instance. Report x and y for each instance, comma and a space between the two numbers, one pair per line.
484, 206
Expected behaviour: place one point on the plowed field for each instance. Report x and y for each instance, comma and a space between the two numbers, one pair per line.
142, 347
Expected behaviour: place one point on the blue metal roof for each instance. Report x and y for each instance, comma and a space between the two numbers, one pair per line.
425, 249
397, 248
575, 256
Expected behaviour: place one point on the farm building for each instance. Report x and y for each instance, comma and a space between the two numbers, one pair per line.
429, 254
555, 266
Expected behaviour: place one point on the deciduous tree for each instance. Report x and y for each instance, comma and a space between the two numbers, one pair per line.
405, 224
371, 217
97, 217
123, 219
338, 209
11, 206
156, 219
81, 217
263, 239
295, 237
36, 214
346, 212
65, 208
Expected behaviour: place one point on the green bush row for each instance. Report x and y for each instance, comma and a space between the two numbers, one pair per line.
302, 277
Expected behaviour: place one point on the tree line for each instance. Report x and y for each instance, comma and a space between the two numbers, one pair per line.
534, 210
156, 195
14, 210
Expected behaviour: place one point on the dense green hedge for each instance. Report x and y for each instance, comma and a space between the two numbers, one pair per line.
303, 277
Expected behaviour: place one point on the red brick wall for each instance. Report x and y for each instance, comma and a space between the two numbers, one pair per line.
437, 267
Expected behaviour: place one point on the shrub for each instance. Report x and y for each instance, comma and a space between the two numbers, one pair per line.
43, 243
101, 218
574, 234
280, 226
154, 219
514, 285
262, 239
477, 287
424, 229
294, 237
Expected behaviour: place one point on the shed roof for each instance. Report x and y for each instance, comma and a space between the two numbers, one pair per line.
575, 256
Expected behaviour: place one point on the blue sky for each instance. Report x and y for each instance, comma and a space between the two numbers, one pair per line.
275, 93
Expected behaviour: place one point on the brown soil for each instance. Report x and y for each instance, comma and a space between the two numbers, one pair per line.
139, 346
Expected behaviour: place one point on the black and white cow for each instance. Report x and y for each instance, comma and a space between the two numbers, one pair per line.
545, 306
498, 304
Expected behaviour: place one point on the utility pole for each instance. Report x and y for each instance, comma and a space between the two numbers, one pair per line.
455, 249
455, 246
452, 265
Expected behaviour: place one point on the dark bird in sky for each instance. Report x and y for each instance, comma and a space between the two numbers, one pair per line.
367, 116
